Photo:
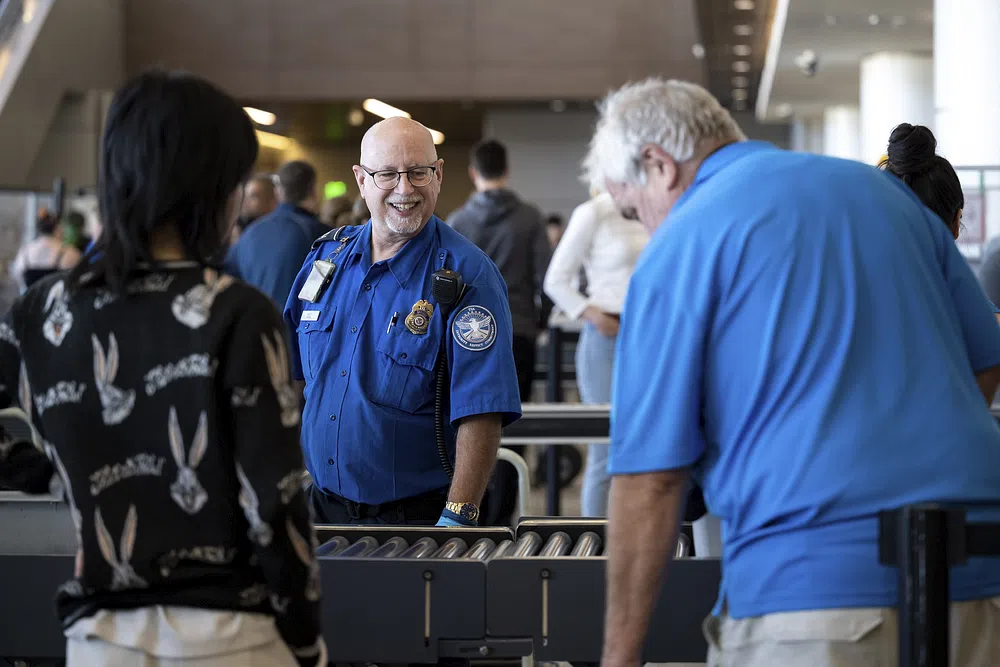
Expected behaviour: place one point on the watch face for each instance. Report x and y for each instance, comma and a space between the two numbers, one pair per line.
469, 512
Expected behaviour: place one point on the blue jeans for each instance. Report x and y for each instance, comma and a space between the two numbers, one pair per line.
595, 354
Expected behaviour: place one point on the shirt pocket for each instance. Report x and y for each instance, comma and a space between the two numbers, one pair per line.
405, 370
314, 339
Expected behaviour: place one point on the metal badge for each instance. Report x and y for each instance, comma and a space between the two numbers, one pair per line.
419, 318
319, 279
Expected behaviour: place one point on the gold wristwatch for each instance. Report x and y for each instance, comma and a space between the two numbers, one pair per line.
467, 511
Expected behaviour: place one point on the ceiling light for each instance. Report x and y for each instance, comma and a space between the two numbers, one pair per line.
740, 93
260, 117
743, 29
558, 106
873, 19
355, 117
830, 20
783, 110
698, 51
269, 140
383, 110
28, 11
742, 50
437, 136
898, 21
741, 66
745, 5
740, 82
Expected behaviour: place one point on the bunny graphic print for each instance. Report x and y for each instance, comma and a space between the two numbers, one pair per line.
156, 411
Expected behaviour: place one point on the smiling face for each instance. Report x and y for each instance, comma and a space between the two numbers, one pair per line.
399, 145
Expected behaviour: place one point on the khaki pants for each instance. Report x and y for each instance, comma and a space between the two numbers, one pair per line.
846, 638
94, 652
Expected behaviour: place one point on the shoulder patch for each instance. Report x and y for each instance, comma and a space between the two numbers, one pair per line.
474, 328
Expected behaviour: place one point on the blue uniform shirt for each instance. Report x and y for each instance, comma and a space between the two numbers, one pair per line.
367, 351
805, 333
270, 251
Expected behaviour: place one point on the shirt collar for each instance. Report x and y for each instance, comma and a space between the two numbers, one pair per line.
725, 156
403, 263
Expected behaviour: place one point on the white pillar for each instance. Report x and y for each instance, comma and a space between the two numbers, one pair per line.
807, 134
895, 88
842, 132
967, 98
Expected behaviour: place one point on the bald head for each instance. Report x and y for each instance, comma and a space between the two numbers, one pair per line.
399, 176
396, 135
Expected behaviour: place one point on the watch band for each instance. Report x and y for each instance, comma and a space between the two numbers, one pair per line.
467, 511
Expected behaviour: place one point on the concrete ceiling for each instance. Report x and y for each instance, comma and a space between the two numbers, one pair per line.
841, 33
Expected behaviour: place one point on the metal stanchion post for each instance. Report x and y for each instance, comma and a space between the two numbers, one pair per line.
923, 555
553, 394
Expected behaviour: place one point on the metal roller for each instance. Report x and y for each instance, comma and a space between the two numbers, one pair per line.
527, 545
392, 548
587, 546
362, 547
332, 547
422, 548
480, 550
558, 545
453, 548
503, 550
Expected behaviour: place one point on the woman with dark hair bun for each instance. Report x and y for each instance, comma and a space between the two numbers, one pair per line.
912, 156
159, 393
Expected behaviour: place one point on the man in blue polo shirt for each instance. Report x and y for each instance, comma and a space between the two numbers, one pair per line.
269, 252
802, 337
370, 330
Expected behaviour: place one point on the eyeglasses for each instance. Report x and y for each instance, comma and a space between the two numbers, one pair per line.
388, 179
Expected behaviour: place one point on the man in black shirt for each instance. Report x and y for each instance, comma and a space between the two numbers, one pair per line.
512, 233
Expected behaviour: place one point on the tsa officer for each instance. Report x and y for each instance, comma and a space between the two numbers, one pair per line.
380, 311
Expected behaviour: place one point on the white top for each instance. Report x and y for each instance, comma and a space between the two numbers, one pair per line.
607, 246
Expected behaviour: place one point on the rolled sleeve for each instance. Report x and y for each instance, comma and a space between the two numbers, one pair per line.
483, 375
976, 314
659, 360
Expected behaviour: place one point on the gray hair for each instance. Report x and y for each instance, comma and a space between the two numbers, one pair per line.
675, 115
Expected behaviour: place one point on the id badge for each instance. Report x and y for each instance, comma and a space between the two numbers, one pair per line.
319, 279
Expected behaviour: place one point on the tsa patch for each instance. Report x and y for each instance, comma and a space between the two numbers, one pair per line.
474, 328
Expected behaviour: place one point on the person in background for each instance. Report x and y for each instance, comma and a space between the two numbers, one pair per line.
44, 255
605, 245
554, 229
359, 212
167, 420
512, 234
912, 158
259, 199
269, 252
803, 337
336, 211
370, 332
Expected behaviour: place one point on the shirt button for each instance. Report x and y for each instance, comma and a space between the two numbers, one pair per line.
368, 287
403, 356
333, 418
343, 373
354, 330
330, 461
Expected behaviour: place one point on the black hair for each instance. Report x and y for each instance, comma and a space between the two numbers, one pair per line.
554, 220
489, 159
297, 180
46, 224
174, 149
911, 157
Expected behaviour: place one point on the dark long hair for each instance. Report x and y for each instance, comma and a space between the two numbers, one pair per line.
174, 149
912, 157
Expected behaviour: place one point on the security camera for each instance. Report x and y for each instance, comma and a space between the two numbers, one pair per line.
807, 62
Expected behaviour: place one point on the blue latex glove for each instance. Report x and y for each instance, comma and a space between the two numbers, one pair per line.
447, 521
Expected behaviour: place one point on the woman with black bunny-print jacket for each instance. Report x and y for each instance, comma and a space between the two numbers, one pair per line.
160, 394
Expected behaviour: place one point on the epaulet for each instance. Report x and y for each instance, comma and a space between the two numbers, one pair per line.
342, 234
